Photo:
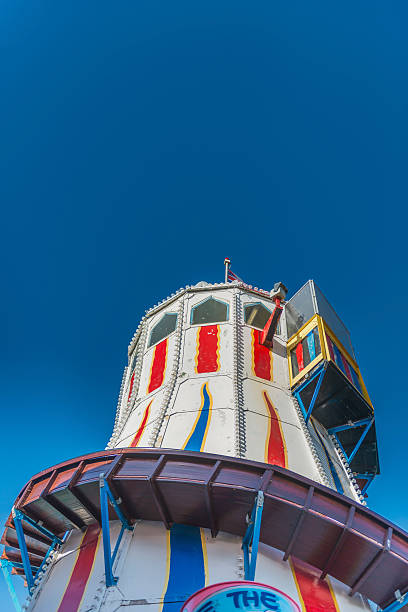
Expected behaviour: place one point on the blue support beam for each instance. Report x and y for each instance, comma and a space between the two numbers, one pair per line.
334, 430
17, 518
367, 423
368, 477
6, 567
251, 537
399, 603
320, 374
106, 496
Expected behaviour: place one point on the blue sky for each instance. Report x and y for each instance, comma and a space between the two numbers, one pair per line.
141, 143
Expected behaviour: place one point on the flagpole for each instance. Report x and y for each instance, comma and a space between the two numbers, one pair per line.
227, 265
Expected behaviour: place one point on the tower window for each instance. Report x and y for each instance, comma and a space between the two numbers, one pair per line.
163, 328
257, 315
209, 311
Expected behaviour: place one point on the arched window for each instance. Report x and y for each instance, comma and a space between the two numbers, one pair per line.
209, 311
257, 315
163, 328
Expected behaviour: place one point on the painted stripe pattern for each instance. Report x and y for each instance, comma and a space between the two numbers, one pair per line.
315, 595
262, 361
306, 351
82, 570
132, 380
208, 349
158, 368
342, 363
275, 447
198, 435
186, 570
142, 426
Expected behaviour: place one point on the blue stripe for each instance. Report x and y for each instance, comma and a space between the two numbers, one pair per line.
187, 570
311, 345
196, 439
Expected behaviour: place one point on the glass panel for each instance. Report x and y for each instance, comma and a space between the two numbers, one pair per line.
327, 312
295, 367
305, 352
257, 315
299, 309
210, 311
164, 328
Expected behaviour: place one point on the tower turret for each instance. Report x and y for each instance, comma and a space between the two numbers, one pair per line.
243, 445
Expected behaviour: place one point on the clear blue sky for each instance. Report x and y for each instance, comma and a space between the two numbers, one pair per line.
141, 143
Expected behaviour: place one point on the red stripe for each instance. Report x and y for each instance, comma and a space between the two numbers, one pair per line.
158, 366
262, 357
315, 594
131, 386
139, 432
75, 589
299, 356
207, 349
276, 443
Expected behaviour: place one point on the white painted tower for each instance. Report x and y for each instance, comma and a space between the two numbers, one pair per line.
225, 436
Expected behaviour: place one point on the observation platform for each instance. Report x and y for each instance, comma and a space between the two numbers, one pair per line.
300, 517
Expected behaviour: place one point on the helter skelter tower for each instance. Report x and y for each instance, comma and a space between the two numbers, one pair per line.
243, 445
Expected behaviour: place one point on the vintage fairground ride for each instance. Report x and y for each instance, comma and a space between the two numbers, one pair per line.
243, 445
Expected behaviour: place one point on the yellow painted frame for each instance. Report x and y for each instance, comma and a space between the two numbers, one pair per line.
315, 321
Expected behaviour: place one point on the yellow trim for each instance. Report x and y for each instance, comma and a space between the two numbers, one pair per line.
299, 592
303, 331
253, 331
315, 321
336, 605
268, 433
167, 574
197, 350
205, 555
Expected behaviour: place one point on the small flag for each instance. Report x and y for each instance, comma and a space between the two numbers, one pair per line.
233, 277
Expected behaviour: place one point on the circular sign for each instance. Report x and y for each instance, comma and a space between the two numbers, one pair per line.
240, 597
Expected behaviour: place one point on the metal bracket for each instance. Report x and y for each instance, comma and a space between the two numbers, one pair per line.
251, 537
334, 431
18, 517
5, 566
401, 600
106, 496
368, 477
320, 373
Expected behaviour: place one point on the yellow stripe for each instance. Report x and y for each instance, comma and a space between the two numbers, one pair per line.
205, 555
333, 594
253, 332
302, 603
218, 347
167, 574
197, 350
